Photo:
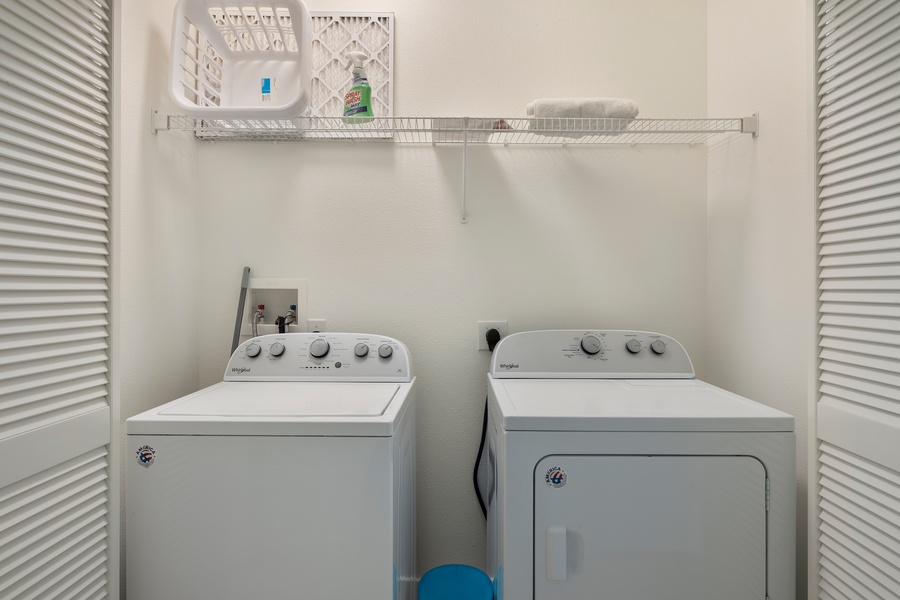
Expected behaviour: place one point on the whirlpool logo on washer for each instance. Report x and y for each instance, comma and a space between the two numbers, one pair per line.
239, 370
556, 477
509, 366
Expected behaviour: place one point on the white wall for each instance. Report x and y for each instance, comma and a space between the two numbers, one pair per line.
154, 221
558, 237
761, 215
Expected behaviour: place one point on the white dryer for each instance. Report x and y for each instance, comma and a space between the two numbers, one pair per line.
616, 475
292, 478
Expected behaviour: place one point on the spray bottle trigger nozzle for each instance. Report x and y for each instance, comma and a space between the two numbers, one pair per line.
356, 59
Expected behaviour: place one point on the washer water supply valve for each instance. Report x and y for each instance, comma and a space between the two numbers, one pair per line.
283, 322
291, 315
258, 317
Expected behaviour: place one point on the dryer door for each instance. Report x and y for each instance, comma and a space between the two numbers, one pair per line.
649, 527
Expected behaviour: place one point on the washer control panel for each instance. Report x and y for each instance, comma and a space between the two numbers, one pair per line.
586, 354
320, 357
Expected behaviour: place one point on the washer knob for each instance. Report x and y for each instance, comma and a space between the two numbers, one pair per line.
361, 350
276, 349
658, 346
319, 348
591, 344
385, 351
252, 350
633, 346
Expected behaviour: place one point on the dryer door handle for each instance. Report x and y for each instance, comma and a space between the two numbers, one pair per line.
557, 563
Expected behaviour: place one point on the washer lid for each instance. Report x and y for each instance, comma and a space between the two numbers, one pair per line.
285, 399
629, 405
279, 408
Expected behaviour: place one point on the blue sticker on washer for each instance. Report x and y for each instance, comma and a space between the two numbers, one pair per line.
556, 477
146, 456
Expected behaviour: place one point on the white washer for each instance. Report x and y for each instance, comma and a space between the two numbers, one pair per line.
293, 478
614, 473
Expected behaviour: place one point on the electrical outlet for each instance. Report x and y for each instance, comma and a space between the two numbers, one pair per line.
484, 327
316, 325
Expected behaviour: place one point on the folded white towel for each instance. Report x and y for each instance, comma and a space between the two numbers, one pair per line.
593, 108
580, 116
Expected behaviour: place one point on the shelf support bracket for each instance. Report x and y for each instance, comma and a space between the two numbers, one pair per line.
463, 217
751, 125
158, 122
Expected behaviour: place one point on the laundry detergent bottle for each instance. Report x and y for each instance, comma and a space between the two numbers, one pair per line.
358, 100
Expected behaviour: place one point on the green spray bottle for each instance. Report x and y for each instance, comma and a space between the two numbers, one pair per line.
358, 100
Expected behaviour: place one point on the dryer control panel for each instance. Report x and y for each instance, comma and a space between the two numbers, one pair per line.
320, 357
590, 354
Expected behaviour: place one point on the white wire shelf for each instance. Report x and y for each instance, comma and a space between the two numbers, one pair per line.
461, 130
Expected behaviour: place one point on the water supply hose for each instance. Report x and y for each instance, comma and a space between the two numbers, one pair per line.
492, 337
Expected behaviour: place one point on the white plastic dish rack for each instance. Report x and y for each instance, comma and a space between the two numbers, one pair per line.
241, 59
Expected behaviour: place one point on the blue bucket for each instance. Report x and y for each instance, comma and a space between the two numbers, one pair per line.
455, 582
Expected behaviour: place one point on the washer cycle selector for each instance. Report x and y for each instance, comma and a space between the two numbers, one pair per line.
319, 348
633, 346
591, 344
252, 350
361, 350
276, 349
385, 351
658, 346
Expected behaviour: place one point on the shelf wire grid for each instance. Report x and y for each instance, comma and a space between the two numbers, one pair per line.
456, 130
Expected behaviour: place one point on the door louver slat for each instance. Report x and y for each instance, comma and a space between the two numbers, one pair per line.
55, 531
858, 538
52, 523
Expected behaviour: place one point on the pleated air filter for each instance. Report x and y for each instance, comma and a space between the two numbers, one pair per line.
334, 35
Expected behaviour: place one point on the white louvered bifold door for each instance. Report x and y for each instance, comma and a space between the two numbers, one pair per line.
54, 280
858, 405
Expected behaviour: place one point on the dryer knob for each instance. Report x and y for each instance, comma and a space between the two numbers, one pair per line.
385, 351
276, 349
658, 346
361, 350
591, 344
633, 346
319, 348
252, 350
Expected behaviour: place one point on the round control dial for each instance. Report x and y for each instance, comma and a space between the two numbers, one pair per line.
276, 349
252, 350
385, 351
658, 346
319, 348
591, 344
361, 350
633, 346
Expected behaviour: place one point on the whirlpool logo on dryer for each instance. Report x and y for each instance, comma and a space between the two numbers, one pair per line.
240, 370
509, 366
